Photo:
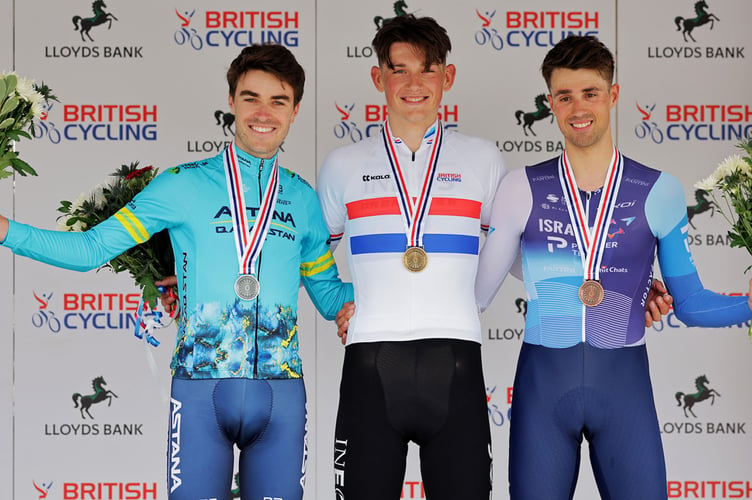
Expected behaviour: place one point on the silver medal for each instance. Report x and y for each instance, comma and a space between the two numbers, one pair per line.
247, 287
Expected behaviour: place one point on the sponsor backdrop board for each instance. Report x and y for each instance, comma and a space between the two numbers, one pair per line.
6, 288
166, 62
684, 106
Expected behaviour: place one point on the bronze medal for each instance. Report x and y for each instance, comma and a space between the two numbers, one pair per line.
591, 293
247, 287
415, 259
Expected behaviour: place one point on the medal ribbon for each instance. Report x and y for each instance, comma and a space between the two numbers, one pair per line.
248, 244
592, 243
414, 213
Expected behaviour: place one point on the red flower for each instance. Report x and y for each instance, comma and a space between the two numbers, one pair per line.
137, 172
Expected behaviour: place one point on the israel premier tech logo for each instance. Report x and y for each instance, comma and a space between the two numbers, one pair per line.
85, 312
90, 27
693, 122
522, 29
215, 28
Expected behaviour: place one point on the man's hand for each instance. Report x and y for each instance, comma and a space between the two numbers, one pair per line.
659, 303
3, 228
168, 299
343, 319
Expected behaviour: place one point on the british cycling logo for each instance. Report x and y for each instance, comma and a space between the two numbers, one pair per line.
98, 123
85, 312
42, 488
100, 395
686, 401
224, 121
496, 414
86, 26
374, 115
700, 23
525, 29
694, 122
214, 28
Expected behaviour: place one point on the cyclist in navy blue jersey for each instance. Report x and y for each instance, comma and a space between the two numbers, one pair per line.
590, 224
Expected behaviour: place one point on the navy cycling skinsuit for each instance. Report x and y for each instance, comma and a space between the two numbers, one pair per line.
583, 371
237, 376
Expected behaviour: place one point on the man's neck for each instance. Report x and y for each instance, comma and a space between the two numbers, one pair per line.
590, 164
412, 134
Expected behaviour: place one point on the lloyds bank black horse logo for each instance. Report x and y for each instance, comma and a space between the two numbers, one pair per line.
541, 111
701, 17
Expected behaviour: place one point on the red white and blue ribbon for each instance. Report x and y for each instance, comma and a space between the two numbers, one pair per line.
591, 241
248, 244
414, 209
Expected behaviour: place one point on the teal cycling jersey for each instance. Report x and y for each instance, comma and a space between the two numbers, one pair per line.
219, 335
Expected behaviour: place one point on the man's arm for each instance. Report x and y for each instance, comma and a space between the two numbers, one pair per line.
3, 228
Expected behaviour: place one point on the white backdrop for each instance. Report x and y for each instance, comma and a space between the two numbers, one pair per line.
6, 291
170, 59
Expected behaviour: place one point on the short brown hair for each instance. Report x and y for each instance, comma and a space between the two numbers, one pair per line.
271, 58
423, 33
579, 52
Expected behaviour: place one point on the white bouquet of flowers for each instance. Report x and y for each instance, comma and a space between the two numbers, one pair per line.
732, 182
21, 101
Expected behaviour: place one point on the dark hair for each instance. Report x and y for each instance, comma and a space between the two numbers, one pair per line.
423, 33
579, 52
271, 58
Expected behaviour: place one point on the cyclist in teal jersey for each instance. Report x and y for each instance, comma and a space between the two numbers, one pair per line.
246, 233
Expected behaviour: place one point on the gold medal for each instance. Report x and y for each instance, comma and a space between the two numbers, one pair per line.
415, 259
591, 293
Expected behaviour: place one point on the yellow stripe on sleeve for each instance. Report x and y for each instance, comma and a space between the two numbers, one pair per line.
319, 265
131, 223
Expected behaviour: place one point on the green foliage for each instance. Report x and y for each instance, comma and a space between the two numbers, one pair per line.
18, 108
147, 262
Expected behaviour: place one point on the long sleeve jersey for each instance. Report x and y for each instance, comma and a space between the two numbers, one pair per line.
219, 335
649, 216
360, 204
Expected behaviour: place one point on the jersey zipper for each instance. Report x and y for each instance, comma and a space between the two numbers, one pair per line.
258, 275
587, 221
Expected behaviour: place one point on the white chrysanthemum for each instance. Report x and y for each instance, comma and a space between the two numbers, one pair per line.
97, 195
707, 184
731, 165
62, 223
25, 89
76, 205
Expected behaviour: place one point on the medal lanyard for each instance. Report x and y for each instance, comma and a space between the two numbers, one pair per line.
414, 212
591, 243
248, 244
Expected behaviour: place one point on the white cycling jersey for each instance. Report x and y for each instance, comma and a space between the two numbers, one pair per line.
359, 200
